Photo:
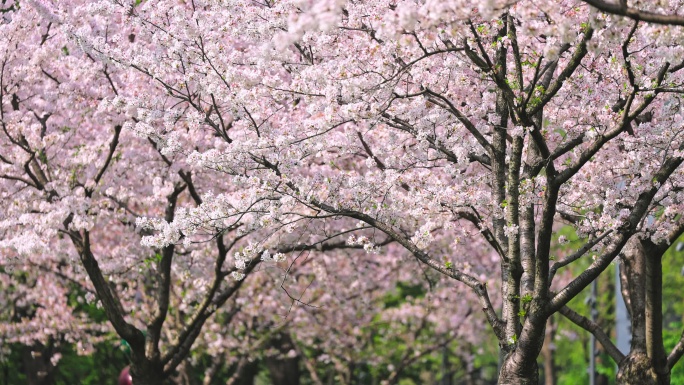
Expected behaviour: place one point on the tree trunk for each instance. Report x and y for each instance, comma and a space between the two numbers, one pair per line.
146, 379
245, 372
518, 372
284, 369
39, 368
654, 311
145, 372
637, 369
646, 363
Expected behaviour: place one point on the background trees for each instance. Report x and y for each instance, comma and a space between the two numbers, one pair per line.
462, 136
497, 128
74, 182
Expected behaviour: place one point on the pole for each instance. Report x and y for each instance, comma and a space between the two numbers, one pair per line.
622, 322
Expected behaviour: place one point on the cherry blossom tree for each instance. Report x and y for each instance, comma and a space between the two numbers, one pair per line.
361, 304
349, 311
650, 13
74, 181
426, 121
641, 276
38, 317
461, 132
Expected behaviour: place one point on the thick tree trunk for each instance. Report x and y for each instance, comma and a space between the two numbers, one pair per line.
637, 369
518, 372
646, 363
146, 379
37, 364
145, 372
284, 370
654, 311
633, 279
245, 372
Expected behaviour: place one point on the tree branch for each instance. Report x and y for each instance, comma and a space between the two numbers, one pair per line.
638, 211
621, 9
593, 328
110, 302
580, 252
478, 287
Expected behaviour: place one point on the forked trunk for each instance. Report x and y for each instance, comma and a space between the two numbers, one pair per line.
642, 281
146, 373
518, 372
637, 369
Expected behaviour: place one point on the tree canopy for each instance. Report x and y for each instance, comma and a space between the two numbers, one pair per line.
159, 154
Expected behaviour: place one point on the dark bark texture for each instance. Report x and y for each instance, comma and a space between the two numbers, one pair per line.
245, 373
514, 372
284, 370
637, 369
36, 360
146, 372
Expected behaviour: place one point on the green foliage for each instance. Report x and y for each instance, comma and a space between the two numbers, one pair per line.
76, 300
572, 342
403, 291
153, 260
381, 339
673, 305
101, 367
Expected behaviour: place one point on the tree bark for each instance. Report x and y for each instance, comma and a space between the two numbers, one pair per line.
516, 372
646, 363
37, 364
633, 282
146, 372
284, 370
637, 369
245, 372
654, 311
